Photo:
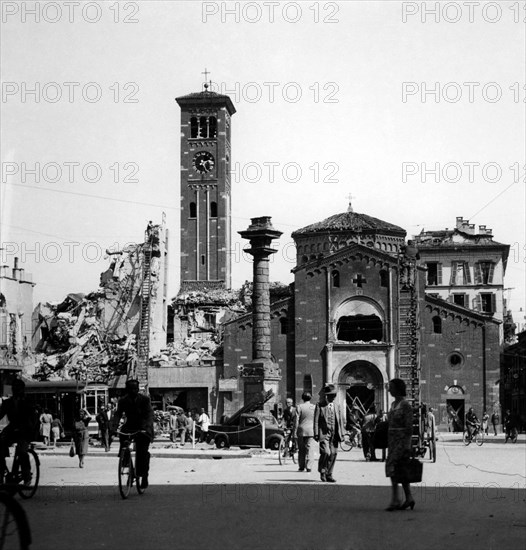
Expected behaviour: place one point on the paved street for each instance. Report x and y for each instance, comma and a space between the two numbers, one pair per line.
473, 497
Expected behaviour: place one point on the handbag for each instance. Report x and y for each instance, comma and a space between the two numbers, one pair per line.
408, 470
72, 449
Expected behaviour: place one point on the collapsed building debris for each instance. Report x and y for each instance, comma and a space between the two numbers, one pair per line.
199, 317
95, 337
76, 344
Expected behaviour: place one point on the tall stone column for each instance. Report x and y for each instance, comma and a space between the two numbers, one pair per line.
261, 370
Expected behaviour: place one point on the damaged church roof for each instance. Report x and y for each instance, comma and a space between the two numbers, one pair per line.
350, 221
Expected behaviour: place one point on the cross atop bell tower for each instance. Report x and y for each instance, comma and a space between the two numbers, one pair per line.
205, 189
207, 82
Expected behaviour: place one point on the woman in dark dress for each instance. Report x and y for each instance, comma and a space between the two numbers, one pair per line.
400, 419
81, 435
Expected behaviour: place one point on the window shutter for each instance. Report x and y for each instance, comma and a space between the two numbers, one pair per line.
490, 274
493, 303
3, 328
439, 274
453, 279
478, 274
467, 274
477, 303
466, 301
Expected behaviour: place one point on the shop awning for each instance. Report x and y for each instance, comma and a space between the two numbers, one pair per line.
35, 386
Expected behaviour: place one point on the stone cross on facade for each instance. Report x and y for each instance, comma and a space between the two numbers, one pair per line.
359, 280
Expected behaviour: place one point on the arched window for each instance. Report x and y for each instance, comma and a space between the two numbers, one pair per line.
194, 130
384, 278
335, 275
363, 328
203, 127
213, 209
307, 383
212, 127
437, 324
193, 210
284, 325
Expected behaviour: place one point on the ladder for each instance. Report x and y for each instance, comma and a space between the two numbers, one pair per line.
143, 341
408, 367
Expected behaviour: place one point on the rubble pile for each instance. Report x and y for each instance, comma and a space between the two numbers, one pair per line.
190, 351
76, 346
239, 301
216, 296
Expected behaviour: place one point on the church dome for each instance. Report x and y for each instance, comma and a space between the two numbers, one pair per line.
351, 222
336, 232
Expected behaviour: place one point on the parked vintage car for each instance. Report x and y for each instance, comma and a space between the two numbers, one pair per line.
245, 431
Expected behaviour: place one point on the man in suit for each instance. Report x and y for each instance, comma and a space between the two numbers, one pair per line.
103, 420
329, 429
305, 432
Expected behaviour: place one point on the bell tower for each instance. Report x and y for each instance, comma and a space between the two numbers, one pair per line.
205, 190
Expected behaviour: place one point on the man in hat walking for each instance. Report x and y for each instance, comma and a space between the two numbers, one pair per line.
329, 429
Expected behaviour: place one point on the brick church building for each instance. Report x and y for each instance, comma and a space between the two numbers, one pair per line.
345, 321
347, 318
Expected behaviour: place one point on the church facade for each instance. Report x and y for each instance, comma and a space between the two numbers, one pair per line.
345, 320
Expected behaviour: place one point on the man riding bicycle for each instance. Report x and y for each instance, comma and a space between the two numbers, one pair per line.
290, 416
472, 422
20, 430
138, 411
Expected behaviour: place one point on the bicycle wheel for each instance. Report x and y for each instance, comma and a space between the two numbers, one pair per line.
479, 439
347, 443
125, 473
466, 439
27, 490
282, 452
14, 527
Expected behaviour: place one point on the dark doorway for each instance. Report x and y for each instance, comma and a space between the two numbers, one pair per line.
455, 411
361, 396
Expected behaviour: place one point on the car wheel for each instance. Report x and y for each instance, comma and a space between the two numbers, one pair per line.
221, 442
273, 444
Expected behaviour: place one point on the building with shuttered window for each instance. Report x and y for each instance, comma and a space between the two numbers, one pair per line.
465, 266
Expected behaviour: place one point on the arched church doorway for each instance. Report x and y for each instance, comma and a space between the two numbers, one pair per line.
364, 386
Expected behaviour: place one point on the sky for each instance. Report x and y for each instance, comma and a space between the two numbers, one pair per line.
419, 117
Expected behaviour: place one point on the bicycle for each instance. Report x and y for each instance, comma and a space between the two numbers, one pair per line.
512, 434
14, 527
12, 480
349, 441
127, 475
287, 448
477, 435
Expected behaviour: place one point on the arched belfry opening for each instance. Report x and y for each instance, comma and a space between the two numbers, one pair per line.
359, 320
364, 385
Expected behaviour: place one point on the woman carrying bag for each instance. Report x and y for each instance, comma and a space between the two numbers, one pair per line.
400, 431
81, 435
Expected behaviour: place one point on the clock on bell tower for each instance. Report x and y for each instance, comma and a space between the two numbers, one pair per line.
205, 190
